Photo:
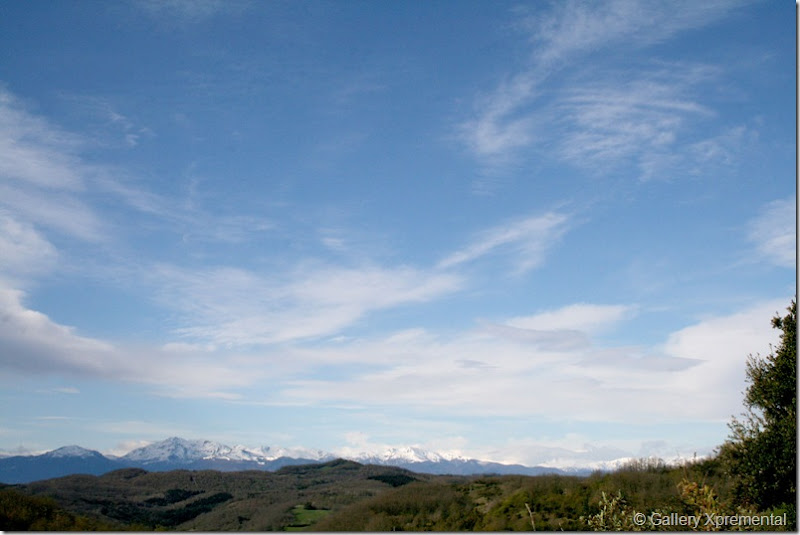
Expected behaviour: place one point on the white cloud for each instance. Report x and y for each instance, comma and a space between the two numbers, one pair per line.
189, 11
570, 450
603, 122
499, 129
580, 27
583, 317
59, 212
32, 343
690, 378
235, 307
721, 148
41, 173
23, 250
774, 232
67, 390
527, 240
109, 126
34, 151
206, 227
714, 388
125, 446
608, 123
183, 347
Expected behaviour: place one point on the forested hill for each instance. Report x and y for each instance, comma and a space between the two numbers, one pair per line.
347, 496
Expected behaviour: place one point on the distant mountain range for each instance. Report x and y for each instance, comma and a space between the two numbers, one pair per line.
178, 453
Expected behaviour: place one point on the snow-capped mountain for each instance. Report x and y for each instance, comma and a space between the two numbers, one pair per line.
177, 449
170, 454
72, 451
408, 454
180, 450
203, 454
178, 453
60, 462
273, 453
431, 462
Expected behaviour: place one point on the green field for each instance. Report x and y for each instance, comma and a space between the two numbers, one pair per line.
305, 517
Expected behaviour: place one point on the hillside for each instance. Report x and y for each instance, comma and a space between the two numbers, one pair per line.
343, 495
211, 500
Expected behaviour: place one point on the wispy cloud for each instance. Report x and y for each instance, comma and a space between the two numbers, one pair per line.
49, 189
235, 307
583, 317
24, 252
109, 126
607, 124
46, 182
774, 233
498, 128
42, 175
34, 151
67, 390
305, 299
59, 212
583, 382
586, 381
604, 120
190, 11
526, 240
578, 27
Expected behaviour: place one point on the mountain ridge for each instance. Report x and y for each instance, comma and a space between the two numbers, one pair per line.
198, 454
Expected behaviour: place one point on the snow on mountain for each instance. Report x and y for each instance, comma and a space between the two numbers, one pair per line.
177, 452
71, 451
407, 454
174, 449
271, 453
569, 465
181, 450
177, 449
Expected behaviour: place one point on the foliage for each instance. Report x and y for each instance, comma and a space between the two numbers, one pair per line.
19, 512
219, 501
615, 515
395, 480
172, 496
762, 451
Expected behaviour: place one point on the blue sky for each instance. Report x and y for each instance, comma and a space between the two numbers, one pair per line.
522, 231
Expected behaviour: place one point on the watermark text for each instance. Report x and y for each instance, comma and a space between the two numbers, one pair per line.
704, 521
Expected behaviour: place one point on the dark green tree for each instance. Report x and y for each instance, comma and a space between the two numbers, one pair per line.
761, 452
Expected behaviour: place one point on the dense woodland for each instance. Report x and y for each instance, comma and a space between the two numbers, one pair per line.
753, 473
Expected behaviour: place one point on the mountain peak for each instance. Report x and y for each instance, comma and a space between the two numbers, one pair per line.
72, 451
406, 454
174, 449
